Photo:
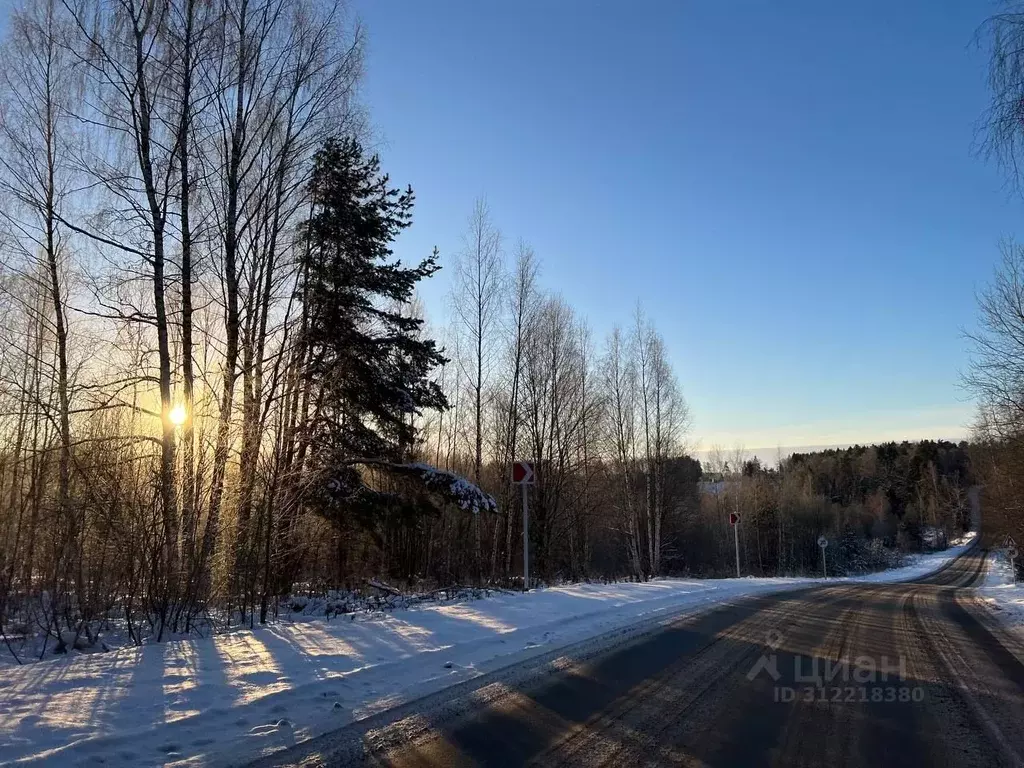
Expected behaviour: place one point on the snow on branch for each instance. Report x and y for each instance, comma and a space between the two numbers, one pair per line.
451, 487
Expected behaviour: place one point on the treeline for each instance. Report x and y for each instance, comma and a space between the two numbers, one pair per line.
872, 503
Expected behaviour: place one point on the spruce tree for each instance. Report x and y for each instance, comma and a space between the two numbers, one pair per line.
367, 361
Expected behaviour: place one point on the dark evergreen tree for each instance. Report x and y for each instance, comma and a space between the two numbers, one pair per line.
367, 362
365, 355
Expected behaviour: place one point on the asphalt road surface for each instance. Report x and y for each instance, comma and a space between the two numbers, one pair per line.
847, 675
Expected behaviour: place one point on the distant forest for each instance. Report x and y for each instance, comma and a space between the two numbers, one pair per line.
871, 502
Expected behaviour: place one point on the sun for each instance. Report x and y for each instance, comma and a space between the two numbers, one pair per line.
178, 415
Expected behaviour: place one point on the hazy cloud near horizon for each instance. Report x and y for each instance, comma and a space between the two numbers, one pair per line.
951, 423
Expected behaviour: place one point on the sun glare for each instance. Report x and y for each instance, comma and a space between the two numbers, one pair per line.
177, 415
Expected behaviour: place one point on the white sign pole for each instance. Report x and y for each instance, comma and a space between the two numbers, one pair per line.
824, 566
526, 543
736, 541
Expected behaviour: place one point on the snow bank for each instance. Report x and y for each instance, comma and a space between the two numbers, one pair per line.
1000, 594
226, 700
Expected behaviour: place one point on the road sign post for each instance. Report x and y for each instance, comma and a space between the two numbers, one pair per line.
526, 543
823, 543
734, 521
523, 475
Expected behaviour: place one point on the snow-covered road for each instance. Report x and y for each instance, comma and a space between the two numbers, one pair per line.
231, 698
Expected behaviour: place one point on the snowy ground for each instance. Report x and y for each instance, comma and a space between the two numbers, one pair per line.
228, 699
1003, 597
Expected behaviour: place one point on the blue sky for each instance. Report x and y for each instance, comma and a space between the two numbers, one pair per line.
790, 188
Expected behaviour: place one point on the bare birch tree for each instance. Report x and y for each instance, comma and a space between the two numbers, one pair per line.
477, 304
